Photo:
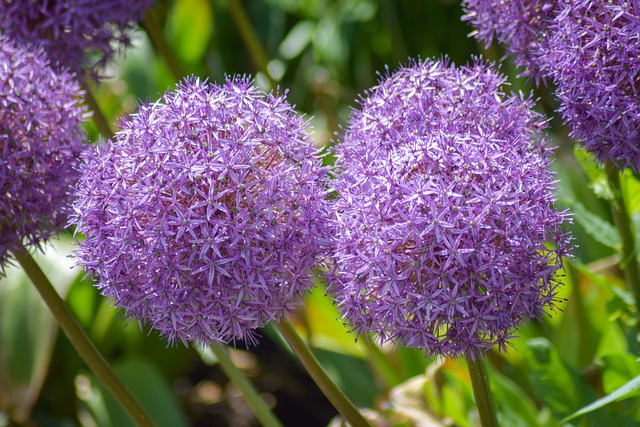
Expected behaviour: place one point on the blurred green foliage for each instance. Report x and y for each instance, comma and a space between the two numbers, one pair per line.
326, 53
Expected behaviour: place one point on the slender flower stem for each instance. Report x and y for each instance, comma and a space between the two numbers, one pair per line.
85, 347
250, 39
481, 391
257, 405
152, 28
623, 223
98, 118
326, 385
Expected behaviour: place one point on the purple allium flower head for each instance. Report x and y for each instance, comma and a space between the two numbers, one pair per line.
595, 62
444, 210
204, 215
77, 34
519, 25
41, 138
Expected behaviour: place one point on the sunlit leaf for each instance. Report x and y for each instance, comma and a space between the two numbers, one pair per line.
596, 227
597, 175
457, 395
631, 188
622, 393
189, 27
618, 369
612, 341
297, 40
325, 327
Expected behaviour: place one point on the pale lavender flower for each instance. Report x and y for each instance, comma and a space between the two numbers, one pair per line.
594, 60
41, 138
445, 236
76, 34
518, 25
204, 215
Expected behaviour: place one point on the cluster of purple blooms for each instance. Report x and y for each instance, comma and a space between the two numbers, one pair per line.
77, 34
205, 214
445, 202
519, 25
590, 50
594, 60
41, 138
44, 48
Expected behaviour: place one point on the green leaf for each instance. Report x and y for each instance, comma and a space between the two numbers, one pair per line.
457, 395
560, 388
297, 40
631, 188
635, 220
351, 374
618, 369
146, 384
612, 341
622, 393
190, 26
325, 328
596, 227
515, 408
356, 10
597, 176
27, 328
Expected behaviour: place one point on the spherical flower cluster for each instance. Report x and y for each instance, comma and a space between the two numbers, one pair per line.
204, 215
444, 235
76, 34
41, 140
518, 25
594, 59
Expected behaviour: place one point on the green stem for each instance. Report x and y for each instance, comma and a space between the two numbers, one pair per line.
85, 347
319, 375
583, 326
257, 405
150, 25
98, 118
250, 39
481, 391
628, 251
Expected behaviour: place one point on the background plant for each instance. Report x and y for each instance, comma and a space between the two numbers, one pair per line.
325, 53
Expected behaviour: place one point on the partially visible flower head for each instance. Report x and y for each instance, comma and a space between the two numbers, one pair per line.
594, 60
204, 215
445, 236
519, 25
41, 138
76, 34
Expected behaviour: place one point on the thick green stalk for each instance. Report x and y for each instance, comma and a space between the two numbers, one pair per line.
250, 39
150, 25
251, 397
84, 346
319, 375
481, 392
628, 251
